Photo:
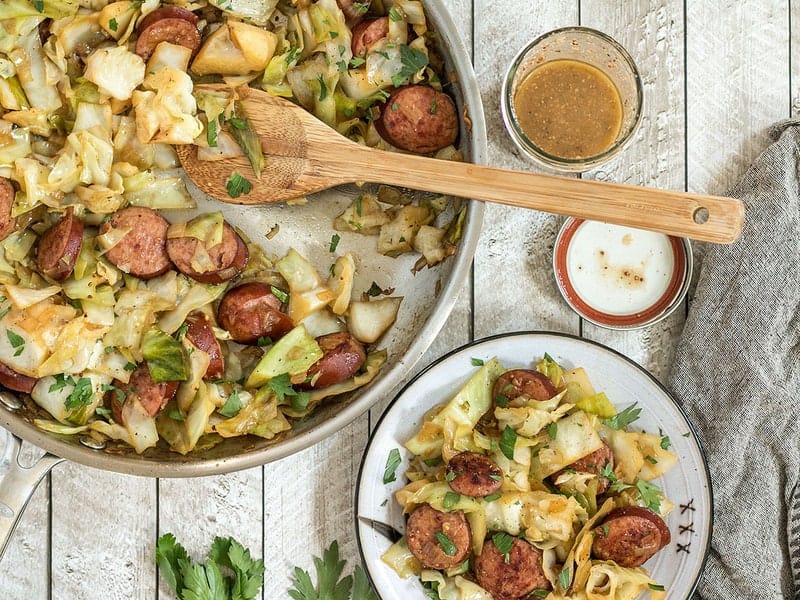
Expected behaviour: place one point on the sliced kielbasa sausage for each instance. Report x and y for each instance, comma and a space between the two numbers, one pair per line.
629, 536
442, 551
419, 119
17, 382
342, 357
594, 463
173, 30
167, 12
225, 260
251, 311
367, 33
7, 222
151, 395
512, 576
473, 474
202, 336
354, 9
59, 247
523, 382
142, 252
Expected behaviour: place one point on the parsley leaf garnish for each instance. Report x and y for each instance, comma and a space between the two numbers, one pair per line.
16, 341
392, 462
282, 386
665, 442
112, 24
507, 442
503, 542
447, 545
82, 394
232, 405
412, 61
237, 185
552, 430
624, 418
330, 583
211, 133
450, 500
564, 578
334, 242
651, 495
476, 362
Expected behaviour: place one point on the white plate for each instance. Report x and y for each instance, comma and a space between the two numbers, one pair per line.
677, 567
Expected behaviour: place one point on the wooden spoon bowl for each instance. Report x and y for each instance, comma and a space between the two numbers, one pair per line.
305, 156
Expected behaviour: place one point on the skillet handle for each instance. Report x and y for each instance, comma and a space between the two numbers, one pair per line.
17, 484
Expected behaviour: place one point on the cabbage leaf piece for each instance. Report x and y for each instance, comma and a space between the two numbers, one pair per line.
55, 9
293, 353
259, 417
164, 356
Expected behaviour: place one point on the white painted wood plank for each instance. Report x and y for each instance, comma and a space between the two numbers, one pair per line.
24, 568
737, 86
308, 503
795, 58
104, 534
514, 284
652, 32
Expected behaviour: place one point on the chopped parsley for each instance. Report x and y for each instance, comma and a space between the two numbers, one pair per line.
374, 290
356, 62
503, 542
237, 123
501, 400
491, 497
392, 462
39, 5
112, 24
624, 418
82, 394
412, 60
211, 133
279, 294
17, 342
552, 430
119, 393
476, 362
323, 88
281, 385
62, 381
4, 312
508, 440
656, 587
102, 411
450, 500
450, 475
361, 7
176, 414
232, 405
334, 242
650, 494
665, 442
395, 15
264, 340
182, 330
292, 55
448, 546
237, 185
541, 593
564, 578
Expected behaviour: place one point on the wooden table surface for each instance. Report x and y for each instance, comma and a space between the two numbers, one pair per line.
716, 74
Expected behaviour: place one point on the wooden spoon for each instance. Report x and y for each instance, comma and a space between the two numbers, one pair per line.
304, 155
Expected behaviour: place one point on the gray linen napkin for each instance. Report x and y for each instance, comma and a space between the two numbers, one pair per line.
736, 373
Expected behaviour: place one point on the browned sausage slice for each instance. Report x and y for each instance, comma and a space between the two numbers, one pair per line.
434, 551
167, 12
251, 311
202, 336
629, 536
419, 119
367, 33
7, 222
59, 247
354, 9
342, 357
152, 396
228, 258
173, 30
142, 252
473, 474
513, 578
594, 463
17, 382
527, 383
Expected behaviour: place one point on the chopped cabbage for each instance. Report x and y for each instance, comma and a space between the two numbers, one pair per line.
576, 437
165, 109
608, 581
293, 353
164, 356
182, 436
116, 71
70, 400
307, 292
255, 11
259, 417
454, 588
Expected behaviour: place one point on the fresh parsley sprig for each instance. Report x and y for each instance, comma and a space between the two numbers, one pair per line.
330, 584
230, 573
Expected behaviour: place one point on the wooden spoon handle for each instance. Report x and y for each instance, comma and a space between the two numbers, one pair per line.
707, 218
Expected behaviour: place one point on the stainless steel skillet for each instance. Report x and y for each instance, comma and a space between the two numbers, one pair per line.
429, 296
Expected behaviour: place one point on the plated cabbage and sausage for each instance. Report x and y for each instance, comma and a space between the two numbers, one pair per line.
122, 321
529, 483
